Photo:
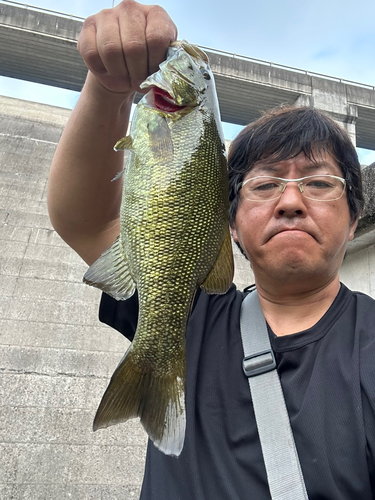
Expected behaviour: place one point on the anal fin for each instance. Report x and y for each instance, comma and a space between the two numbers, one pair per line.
110, 273
220, 277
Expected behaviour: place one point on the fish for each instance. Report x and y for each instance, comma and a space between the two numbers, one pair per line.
174, 238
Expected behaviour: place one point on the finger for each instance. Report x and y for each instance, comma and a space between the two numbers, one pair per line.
88, 48
160, 32
132, 32
109, 45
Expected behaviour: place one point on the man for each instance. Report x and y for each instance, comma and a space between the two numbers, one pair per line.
295, 193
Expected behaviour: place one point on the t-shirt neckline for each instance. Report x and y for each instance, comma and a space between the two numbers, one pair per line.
316, 332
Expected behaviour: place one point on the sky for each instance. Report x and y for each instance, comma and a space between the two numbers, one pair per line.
331, 37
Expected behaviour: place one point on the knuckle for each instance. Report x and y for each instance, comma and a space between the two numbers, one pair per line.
89, 22
106, 13
157, 37
110, 48
165, 23
96, 19
162, 35
128, 7
92, 59
157, 41
90, 55
129, 4
133, 48
85, 34
157, 9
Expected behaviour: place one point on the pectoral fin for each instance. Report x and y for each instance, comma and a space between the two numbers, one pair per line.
111, 274
121, 145
124, 143
221, 275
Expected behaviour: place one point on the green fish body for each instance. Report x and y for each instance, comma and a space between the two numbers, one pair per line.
174, 238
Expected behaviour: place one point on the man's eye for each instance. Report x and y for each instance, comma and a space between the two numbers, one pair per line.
265, 187
319, 185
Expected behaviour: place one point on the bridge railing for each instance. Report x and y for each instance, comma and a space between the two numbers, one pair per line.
41, 9
289, 68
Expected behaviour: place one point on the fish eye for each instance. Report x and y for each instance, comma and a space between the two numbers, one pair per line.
205, 74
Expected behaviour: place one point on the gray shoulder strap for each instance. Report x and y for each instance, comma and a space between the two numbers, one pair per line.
284, 472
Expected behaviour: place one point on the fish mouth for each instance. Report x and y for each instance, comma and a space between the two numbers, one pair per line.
164, 101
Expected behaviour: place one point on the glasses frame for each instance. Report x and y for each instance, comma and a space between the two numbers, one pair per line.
299, 183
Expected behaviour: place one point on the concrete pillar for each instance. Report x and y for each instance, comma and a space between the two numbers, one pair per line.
330, 96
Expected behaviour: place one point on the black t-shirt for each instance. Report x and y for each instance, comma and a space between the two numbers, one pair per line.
327, 374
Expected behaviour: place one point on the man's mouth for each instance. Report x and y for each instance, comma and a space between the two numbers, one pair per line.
164, 101
290, 230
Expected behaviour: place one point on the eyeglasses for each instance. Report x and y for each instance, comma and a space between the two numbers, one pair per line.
313, 187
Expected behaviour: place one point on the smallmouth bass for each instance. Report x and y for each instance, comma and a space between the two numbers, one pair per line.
174, 238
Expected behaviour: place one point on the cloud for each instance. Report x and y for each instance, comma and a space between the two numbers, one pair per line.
325, 53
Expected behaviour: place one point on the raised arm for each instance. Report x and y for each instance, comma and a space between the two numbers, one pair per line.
121, 47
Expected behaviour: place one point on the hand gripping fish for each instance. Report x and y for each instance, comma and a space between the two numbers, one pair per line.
174, 238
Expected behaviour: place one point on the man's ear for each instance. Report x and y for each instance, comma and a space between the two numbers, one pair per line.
353, 227
233, 232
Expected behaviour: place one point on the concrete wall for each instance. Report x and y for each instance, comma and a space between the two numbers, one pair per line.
55, 356
358, 271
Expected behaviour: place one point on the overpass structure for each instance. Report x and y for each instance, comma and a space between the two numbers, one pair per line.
40, 46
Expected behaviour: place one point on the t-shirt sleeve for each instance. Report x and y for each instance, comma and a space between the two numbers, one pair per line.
120, 314
123, 314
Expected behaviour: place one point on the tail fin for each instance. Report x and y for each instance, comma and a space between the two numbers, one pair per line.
159, 401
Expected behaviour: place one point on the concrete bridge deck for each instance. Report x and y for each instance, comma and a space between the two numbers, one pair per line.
40, 46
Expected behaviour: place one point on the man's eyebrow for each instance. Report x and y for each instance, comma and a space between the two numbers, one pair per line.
321, 165
266, 167
274, 168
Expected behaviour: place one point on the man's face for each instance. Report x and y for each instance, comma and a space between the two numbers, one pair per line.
294, 239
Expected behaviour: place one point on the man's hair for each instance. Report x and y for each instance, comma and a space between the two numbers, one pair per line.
285, 132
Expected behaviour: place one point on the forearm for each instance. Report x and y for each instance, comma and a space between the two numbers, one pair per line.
121, 47
83, 202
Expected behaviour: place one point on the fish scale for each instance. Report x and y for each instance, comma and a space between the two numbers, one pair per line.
174, 237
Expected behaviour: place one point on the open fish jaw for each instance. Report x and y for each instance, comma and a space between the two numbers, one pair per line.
183, 74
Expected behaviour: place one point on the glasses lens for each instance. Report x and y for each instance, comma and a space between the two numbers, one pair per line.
262, 188
323, 187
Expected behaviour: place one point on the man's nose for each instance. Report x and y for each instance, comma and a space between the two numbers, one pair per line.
291, 201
